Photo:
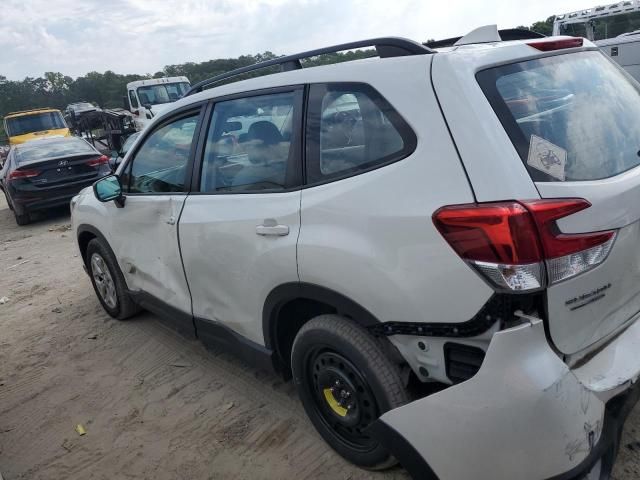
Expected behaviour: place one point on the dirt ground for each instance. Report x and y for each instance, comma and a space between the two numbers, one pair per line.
154, 405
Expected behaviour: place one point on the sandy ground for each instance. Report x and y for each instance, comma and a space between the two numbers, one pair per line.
154, 405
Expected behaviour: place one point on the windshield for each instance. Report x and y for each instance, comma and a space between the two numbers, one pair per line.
571, 117
163, 93
44, 149
605, 27
36, 122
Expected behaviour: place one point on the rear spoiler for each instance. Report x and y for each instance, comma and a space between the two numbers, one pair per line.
503, 35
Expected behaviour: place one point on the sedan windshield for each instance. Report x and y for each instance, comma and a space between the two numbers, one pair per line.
36, 122
163, 93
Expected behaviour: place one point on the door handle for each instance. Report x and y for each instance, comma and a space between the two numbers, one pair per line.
271, 228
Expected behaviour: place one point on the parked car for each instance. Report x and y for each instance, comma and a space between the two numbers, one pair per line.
439, 246
47, 173
33, 124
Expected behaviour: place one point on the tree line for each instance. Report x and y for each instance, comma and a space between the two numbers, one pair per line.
106, 90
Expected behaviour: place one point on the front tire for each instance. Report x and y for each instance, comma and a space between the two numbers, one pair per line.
108, 281
345, 382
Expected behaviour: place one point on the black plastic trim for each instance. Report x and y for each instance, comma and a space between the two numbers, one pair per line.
402, 450
85, 228
209, 332
176, 319
287, 292
480, 323
215, 334
385, 47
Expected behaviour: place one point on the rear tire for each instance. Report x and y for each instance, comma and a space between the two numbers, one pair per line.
22, 219
345, 382
108, 281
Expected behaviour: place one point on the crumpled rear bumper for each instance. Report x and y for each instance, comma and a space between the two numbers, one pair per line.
525, 415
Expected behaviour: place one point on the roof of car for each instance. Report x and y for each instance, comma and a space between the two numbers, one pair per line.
40, 142
30, 112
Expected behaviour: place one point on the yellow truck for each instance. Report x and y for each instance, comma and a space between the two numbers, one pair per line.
28, 125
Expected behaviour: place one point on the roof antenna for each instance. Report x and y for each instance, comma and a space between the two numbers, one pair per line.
486, 34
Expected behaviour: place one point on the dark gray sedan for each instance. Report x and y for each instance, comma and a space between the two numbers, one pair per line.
46, 173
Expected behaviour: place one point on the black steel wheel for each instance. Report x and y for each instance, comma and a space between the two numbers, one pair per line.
345, 382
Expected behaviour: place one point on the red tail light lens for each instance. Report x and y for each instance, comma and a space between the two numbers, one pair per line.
101, 160
16, 174
550, 45
510, 242
554, 243
490, 232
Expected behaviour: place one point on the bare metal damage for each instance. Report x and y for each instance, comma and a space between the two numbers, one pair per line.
523, 401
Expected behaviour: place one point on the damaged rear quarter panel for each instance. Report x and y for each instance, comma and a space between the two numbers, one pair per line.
523, 416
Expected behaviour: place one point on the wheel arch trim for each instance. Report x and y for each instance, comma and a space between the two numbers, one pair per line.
287, 292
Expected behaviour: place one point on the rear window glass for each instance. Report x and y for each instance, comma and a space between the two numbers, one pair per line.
43, 149
571, 117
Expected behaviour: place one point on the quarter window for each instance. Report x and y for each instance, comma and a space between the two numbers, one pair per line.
160, 164
250, 144
352, 129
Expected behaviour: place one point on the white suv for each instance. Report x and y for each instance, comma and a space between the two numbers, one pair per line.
440, 246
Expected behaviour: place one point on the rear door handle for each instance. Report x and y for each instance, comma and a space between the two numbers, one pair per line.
274, 230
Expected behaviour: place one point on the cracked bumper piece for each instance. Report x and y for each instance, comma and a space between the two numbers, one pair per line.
524, 416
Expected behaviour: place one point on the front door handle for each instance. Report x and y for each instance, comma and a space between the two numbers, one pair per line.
270, 227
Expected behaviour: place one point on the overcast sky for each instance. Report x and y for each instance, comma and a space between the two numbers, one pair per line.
141, 36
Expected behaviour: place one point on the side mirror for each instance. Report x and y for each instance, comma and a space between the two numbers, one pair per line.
109, 188
125, 102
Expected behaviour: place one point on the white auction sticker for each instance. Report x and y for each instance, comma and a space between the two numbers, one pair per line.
547, 157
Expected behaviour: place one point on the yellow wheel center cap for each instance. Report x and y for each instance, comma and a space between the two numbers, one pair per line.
333, 403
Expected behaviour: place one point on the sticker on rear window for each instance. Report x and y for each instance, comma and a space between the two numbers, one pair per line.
547, 157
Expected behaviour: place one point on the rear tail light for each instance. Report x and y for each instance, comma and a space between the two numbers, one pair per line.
518, 246
550, 45
17, 174
101, 160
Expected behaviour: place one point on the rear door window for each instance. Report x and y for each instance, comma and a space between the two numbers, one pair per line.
571, 117
252, 144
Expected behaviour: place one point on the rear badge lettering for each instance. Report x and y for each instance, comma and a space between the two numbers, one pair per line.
547, 157
587, 298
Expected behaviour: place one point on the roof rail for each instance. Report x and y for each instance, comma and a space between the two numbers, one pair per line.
386, 47
505, 35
